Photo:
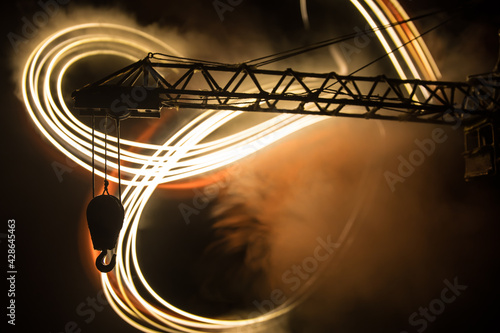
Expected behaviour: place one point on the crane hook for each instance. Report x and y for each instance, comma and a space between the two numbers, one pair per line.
105, 215
101, 264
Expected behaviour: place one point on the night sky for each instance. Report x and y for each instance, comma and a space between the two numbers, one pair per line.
407, 246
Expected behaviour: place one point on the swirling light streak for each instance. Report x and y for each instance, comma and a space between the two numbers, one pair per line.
382, 39
408, 32
77, 135
381, 11
392, 33
72, 138
184, 154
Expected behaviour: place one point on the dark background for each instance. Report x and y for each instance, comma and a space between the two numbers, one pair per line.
55, 277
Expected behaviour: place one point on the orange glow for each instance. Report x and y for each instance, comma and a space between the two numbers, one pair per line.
184, 160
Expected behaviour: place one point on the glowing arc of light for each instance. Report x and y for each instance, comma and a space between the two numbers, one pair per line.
180, 151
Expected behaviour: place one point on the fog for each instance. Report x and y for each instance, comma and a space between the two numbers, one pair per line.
314, 221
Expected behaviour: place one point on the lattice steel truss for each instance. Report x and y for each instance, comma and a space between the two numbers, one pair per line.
143, 88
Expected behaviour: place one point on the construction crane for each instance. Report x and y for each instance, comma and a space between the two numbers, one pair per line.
159, 82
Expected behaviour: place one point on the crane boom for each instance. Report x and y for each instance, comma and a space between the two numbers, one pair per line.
143, 88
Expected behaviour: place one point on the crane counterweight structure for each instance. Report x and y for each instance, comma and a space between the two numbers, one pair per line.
142, 89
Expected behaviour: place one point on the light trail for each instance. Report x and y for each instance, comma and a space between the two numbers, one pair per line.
182, 155
185, 153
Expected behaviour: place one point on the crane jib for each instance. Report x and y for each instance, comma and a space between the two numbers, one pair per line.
146, 87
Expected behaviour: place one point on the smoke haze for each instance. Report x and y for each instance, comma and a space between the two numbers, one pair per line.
258, 235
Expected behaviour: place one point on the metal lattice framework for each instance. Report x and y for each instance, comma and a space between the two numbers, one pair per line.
143, 88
